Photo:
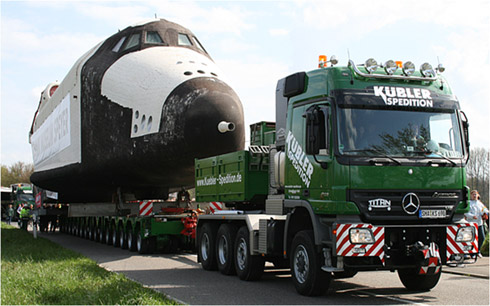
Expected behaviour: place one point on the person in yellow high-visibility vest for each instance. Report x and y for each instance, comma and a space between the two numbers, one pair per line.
25, 217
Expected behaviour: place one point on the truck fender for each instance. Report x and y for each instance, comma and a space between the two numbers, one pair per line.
321, 232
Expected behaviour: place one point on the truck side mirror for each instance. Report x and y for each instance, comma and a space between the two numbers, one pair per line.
466, 133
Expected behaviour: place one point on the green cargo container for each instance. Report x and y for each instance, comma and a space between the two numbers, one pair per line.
230, 178
262, 133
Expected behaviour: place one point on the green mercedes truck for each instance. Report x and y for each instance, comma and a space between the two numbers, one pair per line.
363, 170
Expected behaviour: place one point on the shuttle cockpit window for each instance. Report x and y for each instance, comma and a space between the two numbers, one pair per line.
134, 40
184, 40
153, 38
197, 43
119, 44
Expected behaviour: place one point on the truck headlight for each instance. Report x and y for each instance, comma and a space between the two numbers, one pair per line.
465, 234
361, 236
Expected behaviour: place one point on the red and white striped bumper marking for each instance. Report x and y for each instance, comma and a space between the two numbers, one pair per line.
346, 248
146, 208
215, 206
454, 247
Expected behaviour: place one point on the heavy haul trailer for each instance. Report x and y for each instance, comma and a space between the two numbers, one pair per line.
156, 227
366, 173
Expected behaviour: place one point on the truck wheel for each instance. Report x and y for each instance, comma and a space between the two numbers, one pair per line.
248, 267
131, 240
142, 245
123, 242
414, 281
306, 263
206, 243
224, 249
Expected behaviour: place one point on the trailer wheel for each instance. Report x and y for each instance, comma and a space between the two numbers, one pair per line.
206, 242
131, 240
248, 267
123, 242
142, 245
224, 249
306, 263
115, 236
102, 232
108, 234
416, 282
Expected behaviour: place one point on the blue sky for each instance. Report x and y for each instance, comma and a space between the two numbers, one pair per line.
254, 42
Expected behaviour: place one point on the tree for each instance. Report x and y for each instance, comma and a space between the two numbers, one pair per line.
18, 172
477, 172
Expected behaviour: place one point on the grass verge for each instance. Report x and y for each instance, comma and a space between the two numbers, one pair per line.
38, 271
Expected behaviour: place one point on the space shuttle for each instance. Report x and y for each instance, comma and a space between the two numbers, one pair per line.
132, 115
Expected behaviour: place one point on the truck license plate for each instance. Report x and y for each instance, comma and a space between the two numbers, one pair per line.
432, 213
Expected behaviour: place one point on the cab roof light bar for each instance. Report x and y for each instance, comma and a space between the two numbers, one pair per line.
373, 75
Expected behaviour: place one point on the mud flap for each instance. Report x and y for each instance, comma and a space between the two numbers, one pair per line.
431, 262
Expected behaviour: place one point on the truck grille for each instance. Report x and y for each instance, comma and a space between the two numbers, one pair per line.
385, 206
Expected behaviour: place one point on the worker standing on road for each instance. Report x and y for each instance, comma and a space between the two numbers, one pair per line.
24, 217
476, 213
183, 196
10, 214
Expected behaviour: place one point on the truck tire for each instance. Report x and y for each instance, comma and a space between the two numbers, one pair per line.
248, 267
206, 244
416, 282
225, 241
306, 266
131, 240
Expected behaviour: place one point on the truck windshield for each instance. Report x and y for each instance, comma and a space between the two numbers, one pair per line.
399, 133
25, 197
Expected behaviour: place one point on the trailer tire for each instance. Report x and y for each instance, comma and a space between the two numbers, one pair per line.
102, 232
123, 241
108, 234
225, 246
416, 282
131, 240
306, 266
206, 242
115, 236
142, 245
248, 267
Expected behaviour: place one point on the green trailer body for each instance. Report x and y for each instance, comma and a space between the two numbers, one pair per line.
232, 177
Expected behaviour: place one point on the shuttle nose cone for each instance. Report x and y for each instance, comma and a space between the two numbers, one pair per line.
214, 121
208, 115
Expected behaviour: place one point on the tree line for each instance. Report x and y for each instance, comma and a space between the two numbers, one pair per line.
477, 173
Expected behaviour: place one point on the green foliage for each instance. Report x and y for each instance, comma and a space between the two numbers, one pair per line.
17, 173
38, 271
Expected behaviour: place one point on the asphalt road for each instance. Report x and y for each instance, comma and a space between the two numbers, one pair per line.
181, 278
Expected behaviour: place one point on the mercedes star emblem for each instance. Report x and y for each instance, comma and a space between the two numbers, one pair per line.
411, 203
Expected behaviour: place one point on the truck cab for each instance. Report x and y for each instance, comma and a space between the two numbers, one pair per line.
366, 173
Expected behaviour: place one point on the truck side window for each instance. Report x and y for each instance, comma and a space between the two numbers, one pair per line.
317, 130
